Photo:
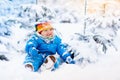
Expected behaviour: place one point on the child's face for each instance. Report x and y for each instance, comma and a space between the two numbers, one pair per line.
48, 33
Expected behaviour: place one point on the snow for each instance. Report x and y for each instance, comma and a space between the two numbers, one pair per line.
108, 66
104, 66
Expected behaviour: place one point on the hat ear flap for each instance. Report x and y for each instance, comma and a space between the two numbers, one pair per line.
36, 27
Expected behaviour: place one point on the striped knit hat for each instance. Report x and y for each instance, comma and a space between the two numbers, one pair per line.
43, 26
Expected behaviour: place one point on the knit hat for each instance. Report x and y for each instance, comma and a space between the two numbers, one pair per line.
43, 26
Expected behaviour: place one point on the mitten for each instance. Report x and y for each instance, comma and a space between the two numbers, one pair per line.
33, 51
69, 60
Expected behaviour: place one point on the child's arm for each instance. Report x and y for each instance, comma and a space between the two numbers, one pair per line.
64, 54
31, 47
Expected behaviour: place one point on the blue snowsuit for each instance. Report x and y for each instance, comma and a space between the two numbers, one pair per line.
38, 49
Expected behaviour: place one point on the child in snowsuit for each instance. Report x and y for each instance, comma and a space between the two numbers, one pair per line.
42, 44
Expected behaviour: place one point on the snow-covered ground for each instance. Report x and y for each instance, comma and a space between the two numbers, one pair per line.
106, 67
104, 54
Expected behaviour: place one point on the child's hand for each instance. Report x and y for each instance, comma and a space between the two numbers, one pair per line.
69, 60
33, 51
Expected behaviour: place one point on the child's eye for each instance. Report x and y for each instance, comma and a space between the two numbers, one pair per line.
45, 30
51, 29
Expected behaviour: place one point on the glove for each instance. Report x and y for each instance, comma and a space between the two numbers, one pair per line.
69, 60
33, 51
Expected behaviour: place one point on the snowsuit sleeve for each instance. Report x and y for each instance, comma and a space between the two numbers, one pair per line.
61, 50
31, 47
